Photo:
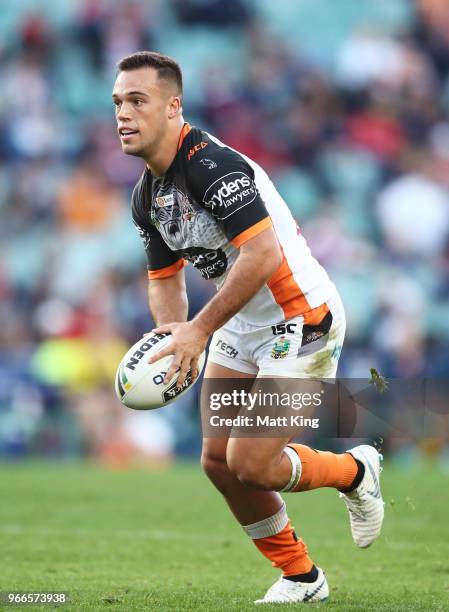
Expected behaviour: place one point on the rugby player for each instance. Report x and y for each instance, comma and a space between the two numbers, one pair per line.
202, 202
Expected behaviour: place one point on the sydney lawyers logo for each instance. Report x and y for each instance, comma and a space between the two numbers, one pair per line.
230, 193
210, 262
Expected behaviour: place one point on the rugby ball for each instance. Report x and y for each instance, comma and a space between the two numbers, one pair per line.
140, 385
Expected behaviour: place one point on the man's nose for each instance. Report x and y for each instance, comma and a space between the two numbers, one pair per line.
124, 112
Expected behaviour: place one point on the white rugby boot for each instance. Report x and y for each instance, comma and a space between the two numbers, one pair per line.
287, 591
365, 504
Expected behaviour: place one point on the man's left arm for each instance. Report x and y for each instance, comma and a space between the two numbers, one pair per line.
258, 259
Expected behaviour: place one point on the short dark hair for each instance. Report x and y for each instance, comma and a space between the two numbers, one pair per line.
166, 67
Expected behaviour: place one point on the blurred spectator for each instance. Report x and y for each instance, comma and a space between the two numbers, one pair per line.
368, 57
111, 30
357, 142
414, 210
432, 31
215, 13
87, 202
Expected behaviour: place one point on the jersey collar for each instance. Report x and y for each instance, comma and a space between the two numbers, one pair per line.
185, 130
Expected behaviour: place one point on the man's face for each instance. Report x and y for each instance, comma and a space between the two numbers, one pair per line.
142, 106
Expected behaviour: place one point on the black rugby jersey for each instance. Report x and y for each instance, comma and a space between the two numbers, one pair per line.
201, 209
210, 201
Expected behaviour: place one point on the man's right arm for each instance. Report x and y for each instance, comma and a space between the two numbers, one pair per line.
168, 299
166, 286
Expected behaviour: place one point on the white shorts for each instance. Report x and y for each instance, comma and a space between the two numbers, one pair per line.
292, 348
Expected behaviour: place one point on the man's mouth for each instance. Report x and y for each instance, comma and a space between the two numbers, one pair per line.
126, 133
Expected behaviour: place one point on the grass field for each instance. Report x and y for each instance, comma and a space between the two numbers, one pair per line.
137, 540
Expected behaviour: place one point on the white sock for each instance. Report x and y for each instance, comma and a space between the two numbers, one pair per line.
296, 469
269, 526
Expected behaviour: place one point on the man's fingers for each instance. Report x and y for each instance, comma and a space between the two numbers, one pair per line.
185, 367
195, 369
162, 329
174, 367
168, 350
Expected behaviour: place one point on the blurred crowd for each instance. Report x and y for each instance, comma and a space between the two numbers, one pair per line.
346, 105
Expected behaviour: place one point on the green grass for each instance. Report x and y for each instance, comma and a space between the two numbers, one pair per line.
137, 540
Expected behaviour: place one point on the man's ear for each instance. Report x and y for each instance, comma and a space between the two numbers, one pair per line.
174, 106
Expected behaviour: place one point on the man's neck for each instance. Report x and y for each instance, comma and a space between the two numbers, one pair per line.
161, 161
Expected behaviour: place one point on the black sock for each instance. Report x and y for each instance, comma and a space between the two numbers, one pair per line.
308, 577
358, 477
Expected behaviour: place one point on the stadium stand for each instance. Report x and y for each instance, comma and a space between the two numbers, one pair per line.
345, 104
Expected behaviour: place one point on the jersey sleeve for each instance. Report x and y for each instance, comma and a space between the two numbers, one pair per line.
223, 183
162, 262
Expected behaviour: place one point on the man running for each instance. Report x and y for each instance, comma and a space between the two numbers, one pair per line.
275, 313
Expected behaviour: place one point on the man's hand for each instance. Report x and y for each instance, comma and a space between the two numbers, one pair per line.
187, 343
